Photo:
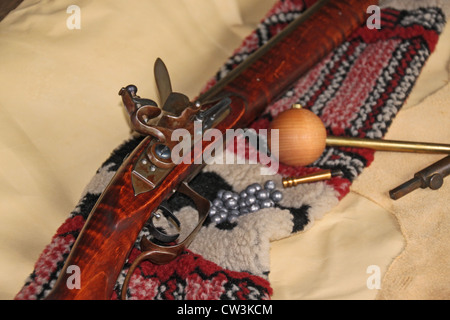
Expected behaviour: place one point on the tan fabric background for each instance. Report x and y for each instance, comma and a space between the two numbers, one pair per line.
60, 117
422, 270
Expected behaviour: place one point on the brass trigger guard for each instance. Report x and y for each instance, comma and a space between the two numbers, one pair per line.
161, 236
160, 254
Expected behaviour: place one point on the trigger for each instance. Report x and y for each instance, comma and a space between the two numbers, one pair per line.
156, 232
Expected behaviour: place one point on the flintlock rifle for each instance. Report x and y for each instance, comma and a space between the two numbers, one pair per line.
148, 176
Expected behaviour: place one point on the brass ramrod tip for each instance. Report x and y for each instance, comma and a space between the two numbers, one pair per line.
313, 177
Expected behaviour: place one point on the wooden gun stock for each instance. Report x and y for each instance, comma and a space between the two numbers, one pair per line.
112, 227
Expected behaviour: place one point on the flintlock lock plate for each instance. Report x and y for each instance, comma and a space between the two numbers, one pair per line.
147, 118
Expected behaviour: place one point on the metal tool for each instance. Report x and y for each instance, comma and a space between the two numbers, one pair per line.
312, 177
431, 177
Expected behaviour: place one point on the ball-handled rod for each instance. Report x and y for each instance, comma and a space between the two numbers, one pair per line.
302, 139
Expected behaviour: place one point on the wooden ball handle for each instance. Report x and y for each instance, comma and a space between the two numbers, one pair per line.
302, 136
302, 139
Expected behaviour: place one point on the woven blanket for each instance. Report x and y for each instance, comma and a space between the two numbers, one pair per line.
356, 90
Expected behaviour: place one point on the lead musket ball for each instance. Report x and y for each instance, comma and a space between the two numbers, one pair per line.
220, 193
231, 203
226, 195
276, 196
250, 190
216, 219
250, 200
235, 212
217, 203
269, 185
212, 211
267, 203
223, 213
254, 207
262, 194
232, 218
